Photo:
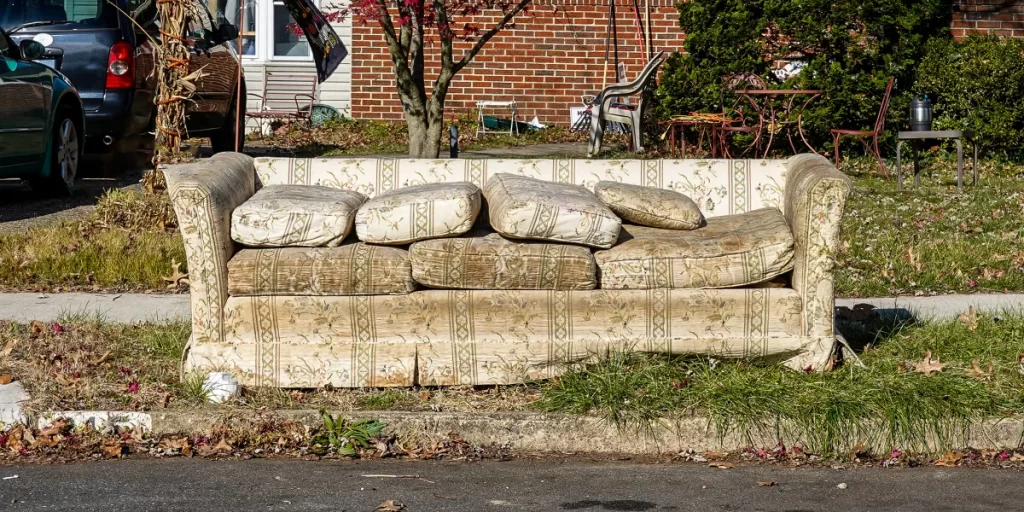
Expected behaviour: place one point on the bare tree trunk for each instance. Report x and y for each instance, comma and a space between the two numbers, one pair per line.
425, 116
425, 131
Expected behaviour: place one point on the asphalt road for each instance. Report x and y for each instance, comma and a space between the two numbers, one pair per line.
182, 484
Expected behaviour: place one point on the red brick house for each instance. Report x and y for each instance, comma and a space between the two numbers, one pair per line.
555, 54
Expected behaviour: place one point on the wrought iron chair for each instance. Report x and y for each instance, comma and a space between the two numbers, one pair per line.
863, 135
603, 110
740, 122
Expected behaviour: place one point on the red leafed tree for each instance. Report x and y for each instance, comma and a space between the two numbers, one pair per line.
410, 28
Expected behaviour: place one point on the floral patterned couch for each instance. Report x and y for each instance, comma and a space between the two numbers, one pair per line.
450, 337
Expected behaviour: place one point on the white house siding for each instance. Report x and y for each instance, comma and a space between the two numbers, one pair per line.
336, 91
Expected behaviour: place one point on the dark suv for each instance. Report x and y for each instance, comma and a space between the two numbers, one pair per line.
110, 60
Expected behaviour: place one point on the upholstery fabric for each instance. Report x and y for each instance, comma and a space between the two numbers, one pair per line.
649, 206
490, 262
204, 194
251, 335
419, 212
816, 195
352, 269
522, 207
732, 250
718, 186
295, 216
491, 336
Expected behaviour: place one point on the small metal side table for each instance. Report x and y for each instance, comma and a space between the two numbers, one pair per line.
959, 135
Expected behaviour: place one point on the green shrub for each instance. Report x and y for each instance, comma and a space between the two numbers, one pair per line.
849, 48
977, 84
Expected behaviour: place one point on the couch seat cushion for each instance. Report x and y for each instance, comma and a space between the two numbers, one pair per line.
650, 206
491, 262
352, 269
731, 250
419, 212
295, 216
522, 207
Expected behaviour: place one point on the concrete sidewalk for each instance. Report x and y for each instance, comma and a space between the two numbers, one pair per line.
138, 307
112, 307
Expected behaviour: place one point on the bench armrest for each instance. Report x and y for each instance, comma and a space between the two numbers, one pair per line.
204, 194
815, 200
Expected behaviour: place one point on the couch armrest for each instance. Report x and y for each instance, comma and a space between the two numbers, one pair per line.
815, 199
204, 194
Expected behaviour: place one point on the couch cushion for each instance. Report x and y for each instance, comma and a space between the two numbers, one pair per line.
522, 207
352, 269
491, 262
419, 212
650, 206
732, 250
295, 215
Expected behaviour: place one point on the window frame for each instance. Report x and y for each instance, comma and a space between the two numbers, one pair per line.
270, 46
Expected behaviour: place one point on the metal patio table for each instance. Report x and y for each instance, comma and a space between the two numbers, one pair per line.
958, 135
780, 118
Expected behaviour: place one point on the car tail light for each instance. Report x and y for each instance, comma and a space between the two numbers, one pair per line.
121, 66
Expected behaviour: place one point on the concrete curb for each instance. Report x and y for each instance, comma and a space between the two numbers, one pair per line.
522, 432
141, 307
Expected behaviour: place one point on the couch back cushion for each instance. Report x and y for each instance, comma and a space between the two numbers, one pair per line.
719, 187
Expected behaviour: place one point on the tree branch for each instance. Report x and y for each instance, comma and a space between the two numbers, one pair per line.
416, 45
394, 45
489, 34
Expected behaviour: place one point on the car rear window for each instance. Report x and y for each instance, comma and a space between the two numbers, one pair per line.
78, 14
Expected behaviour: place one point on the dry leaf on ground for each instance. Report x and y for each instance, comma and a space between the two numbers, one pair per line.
177, 277
969, 319
722, 465
913, 258
9, 347
112, 448
390, 506
949, 460
929, 366
37, 328
980, 374
765, 483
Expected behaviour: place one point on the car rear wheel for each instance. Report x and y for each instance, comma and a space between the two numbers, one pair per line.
65, 155
224, 139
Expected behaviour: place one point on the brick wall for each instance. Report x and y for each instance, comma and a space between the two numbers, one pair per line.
1004, 18
553, 55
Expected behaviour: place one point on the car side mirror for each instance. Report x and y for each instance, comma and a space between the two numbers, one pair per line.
31, 50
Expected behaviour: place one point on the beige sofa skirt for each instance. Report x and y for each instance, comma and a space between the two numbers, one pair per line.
450, 337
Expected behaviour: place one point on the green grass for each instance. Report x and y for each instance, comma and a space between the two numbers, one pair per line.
90, 364
932, 239
883, 404
126, 244
384, 400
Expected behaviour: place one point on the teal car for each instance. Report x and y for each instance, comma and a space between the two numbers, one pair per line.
41, 120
